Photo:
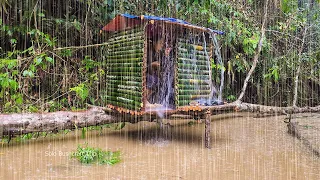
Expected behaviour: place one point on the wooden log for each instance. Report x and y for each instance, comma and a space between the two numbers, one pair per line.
18, 124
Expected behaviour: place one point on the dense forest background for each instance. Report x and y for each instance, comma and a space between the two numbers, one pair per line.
47, 62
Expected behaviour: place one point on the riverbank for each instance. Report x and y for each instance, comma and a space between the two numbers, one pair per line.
306, 127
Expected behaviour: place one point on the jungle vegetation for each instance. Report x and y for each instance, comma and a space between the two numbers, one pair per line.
45, 64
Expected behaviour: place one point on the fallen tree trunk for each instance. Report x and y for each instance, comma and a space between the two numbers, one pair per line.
275, 110
18, 124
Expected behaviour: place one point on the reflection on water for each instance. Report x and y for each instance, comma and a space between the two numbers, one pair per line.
242, 148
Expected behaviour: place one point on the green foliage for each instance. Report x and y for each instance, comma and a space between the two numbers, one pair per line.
119, 126
89, 155
231, 98
273, 73
81, 91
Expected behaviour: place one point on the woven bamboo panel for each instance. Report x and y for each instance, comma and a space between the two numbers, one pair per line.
124, 69
193, 69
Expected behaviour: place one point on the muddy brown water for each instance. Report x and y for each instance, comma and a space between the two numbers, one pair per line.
242, 148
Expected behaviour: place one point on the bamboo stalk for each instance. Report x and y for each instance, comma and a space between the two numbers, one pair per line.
126, 44
134, 83
125, 48
125, 91
128, 31
197, 60
125, 56
126, 60
193, 46
193, 92
125, 69
125, 87
192, 71
190, 87
126, 36
124, 101
131, 64
125, 40
124, 73
193, 66
128, 96
116, 51
184, 50
193, 76
128, 78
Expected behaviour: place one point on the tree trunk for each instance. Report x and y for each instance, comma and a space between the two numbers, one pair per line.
256, 56
296, 79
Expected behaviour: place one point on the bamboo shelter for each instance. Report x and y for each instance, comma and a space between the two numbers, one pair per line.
155, 62
158, 67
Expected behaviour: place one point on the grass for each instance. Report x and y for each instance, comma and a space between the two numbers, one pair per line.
90, 155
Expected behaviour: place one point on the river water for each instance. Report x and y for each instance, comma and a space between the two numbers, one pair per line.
243, 147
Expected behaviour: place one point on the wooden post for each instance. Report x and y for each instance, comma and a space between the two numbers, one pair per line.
207, 129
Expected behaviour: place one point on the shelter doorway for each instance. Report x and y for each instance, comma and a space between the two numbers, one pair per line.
160, 66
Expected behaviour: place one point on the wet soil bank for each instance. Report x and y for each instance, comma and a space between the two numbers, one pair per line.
306, 127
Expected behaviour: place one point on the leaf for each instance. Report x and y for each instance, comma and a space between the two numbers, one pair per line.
77, 25
41, 15
81, 91
13, 84
28, 73
38, 60
49, 59
19, 99
13, 41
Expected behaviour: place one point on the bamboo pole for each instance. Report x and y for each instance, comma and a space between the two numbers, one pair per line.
193, 81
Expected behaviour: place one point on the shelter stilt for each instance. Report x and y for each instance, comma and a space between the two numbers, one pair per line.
207, 134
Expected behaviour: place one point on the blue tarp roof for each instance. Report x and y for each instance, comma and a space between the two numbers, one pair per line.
155, 18
178, 21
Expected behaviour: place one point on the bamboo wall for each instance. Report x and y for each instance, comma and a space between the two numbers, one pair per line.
193, 68
124, 69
